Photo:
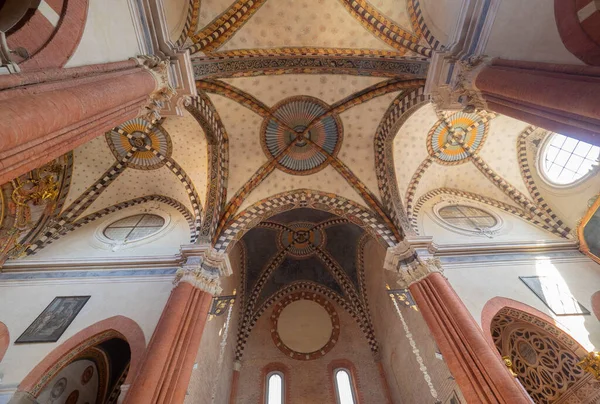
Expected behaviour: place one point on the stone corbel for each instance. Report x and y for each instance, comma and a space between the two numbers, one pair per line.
404, 261
164, 91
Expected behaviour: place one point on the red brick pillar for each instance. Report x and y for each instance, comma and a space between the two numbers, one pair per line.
560, 98
477, 368
45, 114
167, 367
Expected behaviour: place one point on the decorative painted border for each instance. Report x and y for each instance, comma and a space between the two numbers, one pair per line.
306, 51
191, 22
263, 209
243, 66
419, 25
335, 323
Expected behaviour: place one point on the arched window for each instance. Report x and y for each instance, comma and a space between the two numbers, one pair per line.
275, 388
344, 389
467, 217
566, 161
134, 227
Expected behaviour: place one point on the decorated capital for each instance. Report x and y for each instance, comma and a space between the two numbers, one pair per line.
203, 268
159, 68
403, 260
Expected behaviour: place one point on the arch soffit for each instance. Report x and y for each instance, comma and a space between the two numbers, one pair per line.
117, 326
303, 198
526, 314
4, 340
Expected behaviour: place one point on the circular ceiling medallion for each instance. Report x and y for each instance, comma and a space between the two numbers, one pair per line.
140, 134
304, 128
447, 147
305, 326
300, 237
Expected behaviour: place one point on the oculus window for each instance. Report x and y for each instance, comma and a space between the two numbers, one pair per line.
343, 387
566, 161
275, 388
467, 217
134, 227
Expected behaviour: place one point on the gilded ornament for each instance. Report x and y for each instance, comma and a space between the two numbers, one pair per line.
591, 364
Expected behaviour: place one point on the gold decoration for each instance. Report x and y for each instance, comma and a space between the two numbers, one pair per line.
591, 364
583, 245
509, 365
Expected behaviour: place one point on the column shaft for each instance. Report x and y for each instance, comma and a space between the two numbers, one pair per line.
46, 114
478, 370
165, 373
563, 99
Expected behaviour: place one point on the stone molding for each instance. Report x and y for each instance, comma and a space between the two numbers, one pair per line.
164, 91
410, 267
203, 268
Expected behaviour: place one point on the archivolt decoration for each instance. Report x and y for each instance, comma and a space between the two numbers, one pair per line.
144, 140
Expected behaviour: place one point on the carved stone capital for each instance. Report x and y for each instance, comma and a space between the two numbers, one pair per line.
403, 260
159, 68
203, 268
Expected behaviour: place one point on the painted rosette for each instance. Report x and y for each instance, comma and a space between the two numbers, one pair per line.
303, 133
469, 132
145, 138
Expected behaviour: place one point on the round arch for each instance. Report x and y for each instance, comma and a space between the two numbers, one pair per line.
117, 326
303, 198
4, 339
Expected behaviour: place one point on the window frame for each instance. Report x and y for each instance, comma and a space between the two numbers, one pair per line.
134, 227
267, 383
352, 384
489, 232
541, 165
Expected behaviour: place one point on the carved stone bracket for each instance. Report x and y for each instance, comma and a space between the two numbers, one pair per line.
159, 68
405, 261
203, 268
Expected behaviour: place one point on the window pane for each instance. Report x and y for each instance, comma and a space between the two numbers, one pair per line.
344, 387
566, 159
450, 211
134, 227
275, 393
129, 221
152, 221
117, 233
467, 217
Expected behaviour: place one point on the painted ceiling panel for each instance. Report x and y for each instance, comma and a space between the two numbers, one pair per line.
245, 152
395, 10
133, 183
211, 9
342, 241
500, 150
321, 23
261, 247
326, 180
360, 125
90, 161
327, 87
410, 148
189, 149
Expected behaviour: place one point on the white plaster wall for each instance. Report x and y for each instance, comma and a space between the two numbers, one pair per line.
140, 299
440, 17
526, 30
83, 242
109, 35
514, 229
176, 12
478, 282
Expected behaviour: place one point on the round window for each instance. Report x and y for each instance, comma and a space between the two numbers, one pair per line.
134, 227
566, 161
467, 217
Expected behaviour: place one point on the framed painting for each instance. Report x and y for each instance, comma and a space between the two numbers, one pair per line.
54, 320
588, 232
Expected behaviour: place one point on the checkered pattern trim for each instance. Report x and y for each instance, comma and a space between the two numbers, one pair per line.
419, 25
116, 391
115, 208
383, 28
224, 26
305, 51
66, 183
266, 208
400, 110
218, 152
190, 189
478, 198
414, 183
191, 22
235, 94
528, 177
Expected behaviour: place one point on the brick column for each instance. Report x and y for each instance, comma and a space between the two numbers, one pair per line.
45, 114
560, 98
477, 368
167, 367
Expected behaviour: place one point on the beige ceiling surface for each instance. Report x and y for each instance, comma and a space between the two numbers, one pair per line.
135, 183
326, 180
313, 23
189, 149
327, 87
245, 152
211, 9
357, 151
410, 147
90, 161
